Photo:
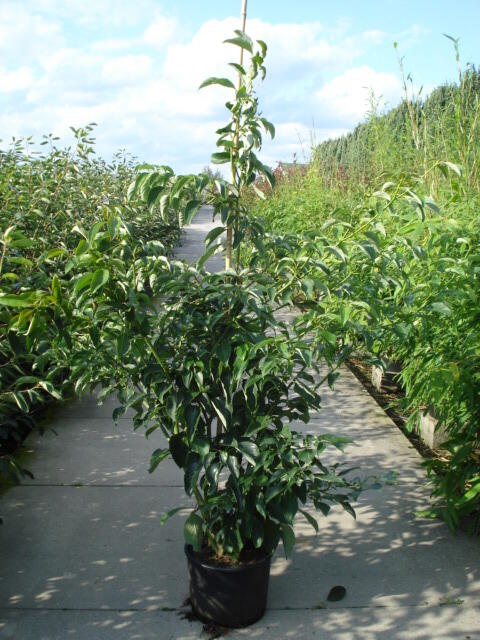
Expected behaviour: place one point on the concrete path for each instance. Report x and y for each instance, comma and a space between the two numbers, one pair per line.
83, 556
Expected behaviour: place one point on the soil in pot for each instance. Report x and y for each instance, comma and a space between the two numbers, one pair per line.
230, 595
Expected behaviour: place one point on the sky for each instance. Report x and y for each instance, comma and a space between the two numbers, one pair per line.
134, 68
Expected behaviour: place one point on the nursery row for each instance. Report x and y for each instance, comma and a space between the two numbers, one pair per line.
67, 231
393, 271
397, 276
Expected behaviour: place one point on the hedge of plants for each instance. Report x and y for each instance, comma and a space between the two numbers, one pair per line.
68, 231
389, 266
413, 135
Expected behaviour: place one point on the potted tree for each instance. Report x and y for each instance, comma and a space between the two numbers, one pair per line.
223, 380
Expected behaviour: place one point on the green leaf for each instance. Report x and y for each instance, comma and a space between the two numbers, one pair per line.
169, 514
249, 450
122, 344
26, 380
49, 388
310, 519
224, 82
338, 442
445, 165
223, 350
263, 47
307, 455
288, 539
178, 449
206, 256
257, 533
192, 415
307, 287
268, 126
259, 192
289, 507
348, 508
191, 474
23, 261
213, 235
201, 445
220, 414
220, 158
431, 204
56, 288
114, 224
238, 67
268, 173
20, 300
337, 252
273, 491
191, 209
241, 40
99, 280
157, 456
472, 494
82, 282
20, 400
213, 471
440, 307
260, 506
192, 531
21, 243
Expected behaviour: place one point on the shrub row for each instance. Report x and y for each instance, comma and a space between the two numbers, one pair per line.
68, 231
397, 275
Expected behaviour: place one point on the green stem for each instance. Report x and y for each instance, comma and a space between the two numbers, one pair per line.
198, 496
154, 353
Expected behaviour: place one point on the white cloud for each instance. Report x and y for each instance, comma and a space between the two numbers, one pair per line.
161, 31
112, 44
25, 35
17, 80
346, 98
127, 70
90, 14
374, 36
140, 85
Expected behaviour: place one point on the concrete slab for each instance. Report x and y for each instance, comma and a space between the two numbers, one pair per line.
89, 407
92, 548
105, 550
192, 246
93, 451
403, 623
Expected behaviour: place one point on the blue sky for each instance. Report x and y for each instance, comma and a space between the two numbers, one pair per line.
134, 68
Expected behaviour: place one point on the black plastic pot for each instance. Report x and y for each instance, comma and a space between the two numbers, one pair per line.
228, 596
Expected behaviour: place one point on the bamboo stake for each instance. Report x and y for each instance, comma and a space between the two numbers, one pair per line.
228, 252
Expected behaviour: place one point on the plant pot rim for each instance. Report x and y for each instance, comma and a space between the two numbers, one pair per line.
207, 564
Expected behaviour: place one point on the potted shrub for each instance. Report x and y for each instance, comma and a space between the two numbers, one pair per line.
223, 380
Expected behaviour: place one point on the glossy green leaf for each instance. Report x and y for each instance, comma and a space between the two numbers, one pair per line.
310, 519
288, 539
193, 531
249, 450
20, 300
220, 158
157, 456
99, 280
178, 450
241, 40
169, 514
224, 82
